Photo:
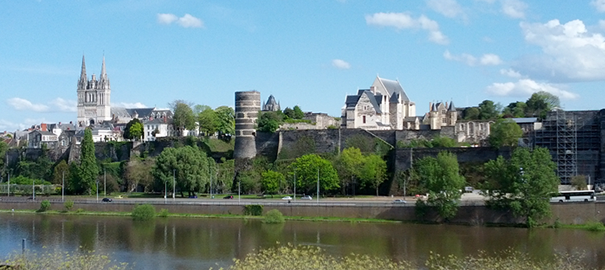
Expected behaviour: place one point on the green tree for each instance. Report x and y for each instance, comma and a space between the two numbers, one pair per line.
373, 171
226, 119
348, 166
88, 169
441, 178
298, 113
136, 172
271, 181
3, 151
288, 113
540, 103
579, 182
209, 121
471, 113
307, 168
488, 110
442, 142
60, 173
515, 109
133, 130
188, 164
523, 184
504, 132
269, 121
183, 118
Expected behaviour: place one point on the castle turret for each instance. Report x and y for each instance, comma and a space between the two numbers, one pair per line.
247, 105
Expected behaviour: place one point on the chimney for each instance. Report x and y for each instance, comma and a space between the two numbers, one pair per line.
373, 89
43, 127
430, 106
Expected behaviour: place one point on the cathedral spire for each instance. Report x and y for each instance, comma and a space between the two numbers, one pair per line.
83, 72
103, 73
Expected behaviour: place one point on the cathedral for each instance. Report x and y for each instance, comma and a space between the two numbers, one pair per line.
94, 104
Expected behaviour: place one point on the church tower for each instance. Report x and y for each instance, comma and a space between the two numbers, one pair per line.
93, 97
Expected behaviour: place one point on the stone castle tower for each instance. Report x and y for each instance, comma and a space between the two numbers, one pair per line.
93, 97
247, 105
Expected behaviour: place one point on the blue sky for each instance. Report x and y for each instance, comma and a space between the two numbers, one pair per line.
307, 53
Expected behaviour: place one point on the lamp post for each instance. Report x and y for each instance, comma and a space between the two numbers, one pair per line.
97, 190
104, 182
317, 185
63, 187
173, 183
294, 184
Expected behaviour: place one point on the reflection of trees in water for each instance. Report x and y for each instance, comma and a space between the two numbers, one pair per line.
223, 239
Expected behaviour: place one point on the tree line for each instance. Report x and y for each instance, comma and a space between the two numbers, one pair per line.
538, 105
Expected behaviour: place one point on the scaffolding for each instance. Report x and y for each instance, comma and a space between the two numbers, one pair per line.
559, 135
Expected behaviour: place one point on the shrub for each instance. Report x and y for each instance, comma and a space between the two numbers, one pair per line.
80, 210
62, 260
163, 213
44, 205
595, 226
253, 210
143, 212
274, 217
68, 205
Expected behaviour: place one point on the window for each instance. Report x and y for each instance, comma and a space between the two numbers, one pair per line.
364, 119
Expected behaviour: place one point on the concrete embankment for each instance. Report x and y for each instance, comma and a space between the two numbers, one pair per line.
568, 213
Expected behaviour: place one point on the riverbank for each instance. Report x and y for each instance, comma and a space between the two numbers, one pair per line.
387, 211
176, 215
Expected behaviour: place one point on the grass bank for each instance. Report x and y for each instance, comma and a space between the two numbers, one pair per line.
177, 215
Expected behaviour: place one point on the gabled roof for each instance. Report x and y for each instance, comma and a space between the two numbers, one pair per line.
393, 87
351, 101
451, 107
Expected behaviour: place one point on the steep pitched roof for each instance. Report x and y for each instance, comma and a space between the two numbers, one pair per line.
393, 87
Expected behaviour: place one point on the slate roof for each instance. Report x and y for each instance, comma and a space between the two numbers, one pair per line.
525, 120
375, 100
394, 87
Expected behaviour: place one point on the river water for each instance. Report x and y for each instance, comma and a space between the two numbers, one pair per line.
188, 243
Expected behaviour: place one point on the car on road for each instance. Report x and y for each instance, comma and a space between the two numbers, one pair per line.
107, 200
399, 201
287, 198
307, 197
228, 197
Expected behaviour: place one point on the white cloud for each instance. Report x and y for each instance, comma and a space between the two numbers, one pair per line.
20, 104
599, 5
514, 8
570, 52
129, 105
187, 21
63, 105
490, 59
167, 18
526, 87
485, 60
447, 8
510, 73
9, 126
341, 64
405, 21
55, 105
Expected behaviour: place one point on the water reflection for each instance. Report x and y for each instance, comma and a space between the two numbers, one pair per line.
203, 243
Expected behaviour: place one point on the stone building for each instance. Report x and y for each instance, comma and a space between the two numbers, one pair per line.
384, 106
94, 104
271, 105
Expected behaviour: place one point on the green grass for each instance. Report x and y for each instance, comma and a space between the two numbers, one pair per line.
593, 226
217, 145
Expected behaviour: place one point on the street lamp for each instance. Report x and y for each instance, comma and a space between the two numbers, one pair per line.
63, 187
173, 183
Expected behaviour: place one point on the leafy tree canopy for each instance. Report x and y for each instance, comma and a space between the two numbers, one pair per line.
504, 132
188, 165
183, 117
307, 168
226, 117
270, 121
373, 171
209, 121
272, 181
488, 110
441, 178
88, 170
540, 103
133, 130
523, 184
298, 113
